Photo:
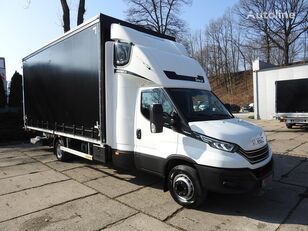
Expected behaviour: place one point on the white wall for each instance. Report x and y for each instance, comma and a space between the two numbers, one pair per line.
3, 73
264, 86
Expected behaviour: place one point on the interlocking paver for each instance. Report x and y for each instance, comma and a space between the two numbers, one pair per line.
90, 213
140, 222
152, 201
298, 176
84, 174
22, 169
298, 219
240, 212
31, 200
112, 187
18, 183
283, 164
50, 195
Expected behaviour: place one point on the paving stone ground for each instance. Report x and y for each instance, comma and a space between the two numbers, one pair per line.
37, 192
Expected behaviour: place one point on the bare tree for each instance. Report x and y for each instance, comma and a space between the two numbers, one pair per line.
280, 22
223, 50
162, 16
250, 51
66, 14
81, 12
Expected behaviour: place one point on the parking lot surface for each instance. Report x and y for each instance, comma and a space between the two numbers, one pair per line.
37, 192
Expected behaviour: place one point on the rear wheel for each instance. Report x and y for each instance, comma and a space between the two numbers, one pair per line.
185, 187
60, 154
289, 125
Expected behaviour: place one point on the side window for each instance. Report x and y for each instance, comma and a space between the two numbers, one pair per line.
149, 97
166, 104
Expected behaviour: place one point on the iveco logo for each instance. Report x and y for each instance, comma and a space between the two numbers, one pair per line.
258, 140
199, 79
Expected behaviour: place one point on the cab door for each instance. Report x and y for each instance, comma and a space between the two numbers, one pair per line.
152, 149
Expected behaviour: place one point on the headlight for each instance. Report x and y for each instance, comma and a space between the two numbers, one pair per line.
221, 145
121, 53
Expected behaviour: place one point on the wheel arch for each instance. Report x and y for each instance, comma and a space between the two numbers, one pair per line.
171, 162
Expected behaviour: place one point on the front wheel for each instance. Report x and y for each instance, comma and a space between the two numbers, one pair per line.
185, 187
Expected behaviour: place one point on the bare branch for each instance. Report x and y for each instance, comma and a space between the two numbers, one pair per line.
159, 15
81, 12
281, 21
66, 15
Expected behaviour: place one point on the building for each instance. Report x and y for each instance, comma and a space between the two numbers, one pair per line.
3, 73
264, 79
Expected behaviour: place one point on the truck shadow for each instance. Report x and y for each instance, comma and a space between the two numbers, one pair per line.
275, 204
133, 176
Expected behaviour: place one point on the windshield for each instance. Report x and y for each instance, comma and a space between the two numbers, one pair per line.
198, 105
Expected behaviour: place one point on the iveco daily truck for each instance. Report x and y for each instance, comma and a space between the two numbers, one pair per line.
112, 91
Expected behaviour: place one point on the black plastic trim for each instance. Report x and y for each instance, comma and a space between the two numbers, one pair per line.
122, 159
175, 76
158, 165
239, 180
180, 157
150, 163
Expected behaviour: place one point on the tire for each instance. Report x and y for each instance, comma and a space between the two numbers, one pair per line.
61, 155
184, 186
289, 126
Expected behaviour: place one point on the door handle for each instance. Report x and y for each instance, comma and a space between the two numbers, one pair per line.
138, 133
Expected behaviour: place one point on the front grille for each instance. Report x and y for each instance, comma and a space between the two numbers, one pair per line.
255, 156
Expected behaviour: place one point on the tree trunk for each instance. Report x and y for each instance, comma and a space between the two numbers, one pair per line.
66, 15
81, 11
286, 54
268, 50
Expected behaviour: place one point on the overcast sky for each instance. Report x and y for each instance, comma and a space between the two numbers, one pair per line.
25, 28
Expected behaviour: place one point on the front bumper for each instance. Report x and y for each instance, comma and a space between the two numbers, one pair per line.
242, 180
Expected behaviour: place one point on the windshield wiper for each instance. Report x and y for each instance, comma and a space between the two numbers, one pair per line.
220, 115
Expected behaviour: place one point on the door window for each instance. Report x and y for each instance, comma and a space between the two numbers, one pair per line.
149, 97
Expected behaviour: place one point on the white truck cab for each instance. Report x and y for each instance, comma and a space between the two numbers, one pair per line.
182, 131
135, 98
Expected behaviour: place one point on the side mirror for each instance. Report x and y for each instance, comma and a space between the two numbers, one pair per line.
228, 106
175, 121
156, 118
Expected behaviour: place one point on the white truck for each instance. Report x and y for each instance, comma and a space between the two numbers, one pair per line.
112, 91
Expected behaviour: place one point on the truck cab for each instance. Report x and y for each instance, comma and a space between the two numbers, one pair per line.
176, 127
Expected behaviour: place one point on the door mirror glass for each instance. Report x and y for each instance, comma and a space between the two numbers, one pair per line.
228, 106
156, 118
175, 121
